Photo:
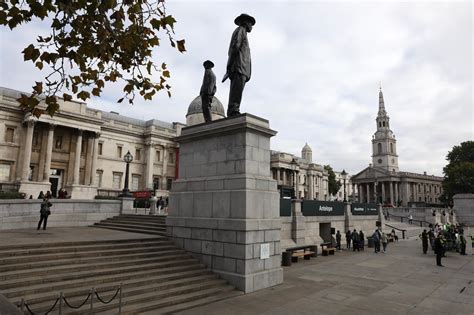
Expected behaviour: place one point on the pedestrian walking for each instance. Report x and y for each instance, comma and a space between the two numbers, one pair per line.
384, 240
361, 240
410, 219
431, 237
462, 244
424, 241
338, 240
44, 213
348, 239
355, 241
439, 249
376, 239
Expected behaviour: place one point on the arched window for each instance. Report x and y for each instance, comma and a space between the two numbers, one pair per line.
383, 123
391, 147
379, 148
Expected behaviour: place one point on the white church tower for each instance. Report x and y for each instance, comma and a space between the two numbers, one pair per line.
307, 154
384, 145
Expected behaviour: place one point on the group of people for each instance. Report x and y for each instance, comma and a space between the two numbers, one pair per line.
379, 237
356, 240
442, 239
62, 194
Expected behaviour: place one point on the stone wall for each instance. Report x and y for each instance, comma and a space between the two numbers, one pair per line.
464, 207
25, 214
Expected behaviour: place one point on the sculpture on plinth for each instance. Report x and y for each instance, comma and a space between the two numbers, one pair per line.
239, 65
208, 89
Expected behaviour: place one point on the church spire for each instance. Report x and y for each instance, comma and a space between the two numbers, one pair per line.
382, 111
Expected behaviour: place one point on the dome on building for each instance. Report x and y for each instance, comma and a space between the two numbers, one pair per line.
196, 107
194, 115
306, 148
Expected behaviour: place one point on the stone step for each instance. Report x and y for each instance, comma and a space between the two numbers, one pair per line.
33, 280
156, 300
79, 243
167, 279
130, 230
139, 217
63, 262
151, 290
132, 226
79, 248
195, 303
109, 252
134, 222
4, 276
28, 289
157, 305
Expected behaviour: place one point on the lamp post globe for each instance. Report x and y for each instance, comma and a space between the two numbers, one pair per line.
344, 175
128, 158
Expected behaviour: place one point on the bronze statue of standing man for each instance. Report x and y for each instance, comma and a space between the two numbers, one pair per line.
239, 65
208, 89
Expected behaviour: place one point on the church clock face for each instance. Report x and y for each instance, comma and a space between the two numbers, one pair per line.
380, 161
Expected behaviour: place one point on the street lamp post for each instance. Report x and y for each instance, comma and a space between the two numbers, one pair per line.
344, 175
128, 158
294, 164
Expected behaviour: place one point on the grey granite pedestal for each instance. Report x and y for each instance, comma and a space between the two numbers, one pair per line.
224, 206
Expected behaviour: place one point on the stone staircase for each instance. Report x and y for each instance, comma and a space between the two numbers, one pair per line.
155, 275
145, 224
412, 230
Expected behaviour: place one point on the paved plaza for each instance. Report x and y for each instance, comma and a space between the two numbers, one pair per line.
401, 281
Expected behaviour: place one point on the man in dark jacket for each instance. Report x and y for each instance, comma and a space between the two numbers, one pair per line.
439, 249
348, 239
376, 238
361, 240
44, 212
462, 244
355, 241
424, 241
338, 240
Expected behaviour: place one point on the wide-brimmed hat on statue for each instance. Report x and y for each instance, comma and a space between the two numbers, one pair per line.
208, 64
244, 18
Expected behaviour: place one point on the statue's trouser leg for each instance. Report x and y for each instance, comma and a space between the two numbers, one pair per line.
206, 107
237, 84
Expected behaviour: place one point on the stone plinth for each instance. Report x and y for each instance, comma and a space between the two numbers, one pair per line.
224, 208
464, 207
33, 188
82, 191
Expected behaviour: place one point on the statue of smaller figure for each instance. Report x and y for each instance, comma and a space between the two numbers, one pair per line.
208, 89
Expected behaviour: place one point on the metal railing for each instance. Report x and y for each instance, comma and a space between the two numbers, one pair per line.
421, 222
63, 302
398, 229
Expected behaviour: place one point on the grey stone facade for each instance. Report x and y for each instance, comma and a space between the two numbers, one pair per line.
224, 207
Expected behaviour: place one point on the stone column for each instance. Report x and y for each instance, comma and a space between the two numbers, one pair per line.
164, 178
284, 177
367, 187
225, 211
278, 176
88, 167
49, 152
77, 157
25, 171
396, 194
296, 185
391, 193
383, 192
375, 193
95, 156
310, 187
359, 191
149, 163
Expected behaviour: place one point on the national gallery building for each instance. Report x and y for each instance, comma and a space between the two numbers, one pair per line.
81, 150
383, 182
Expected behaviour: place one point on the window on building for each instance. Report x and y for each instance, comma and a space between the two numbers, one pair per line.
101, 145
98, 178
5, 172
58, 144
169, 182
379, 148
135, 182
9, 134
383, 123
30, 174
380, 124
35, 139
171, 158
419, 189
156, 182
117, 180
138, 154
158, 156
119, 151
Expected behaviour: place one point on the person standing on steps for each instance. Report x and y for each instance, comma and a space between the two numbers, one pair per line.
44, 213
376, 239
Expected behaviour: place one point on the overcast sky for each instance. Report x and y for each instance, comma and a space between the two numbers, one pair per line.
317, 67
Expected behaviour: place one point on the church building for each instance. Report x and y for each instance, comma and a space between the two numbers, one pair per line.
383, 182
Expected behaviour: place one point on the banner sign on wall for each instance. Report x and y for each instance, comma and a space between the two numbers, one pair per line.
322, 208
364, 209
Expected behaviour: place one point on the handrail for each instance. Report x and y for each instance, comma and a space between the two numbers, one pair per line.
398, 229
416, 220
